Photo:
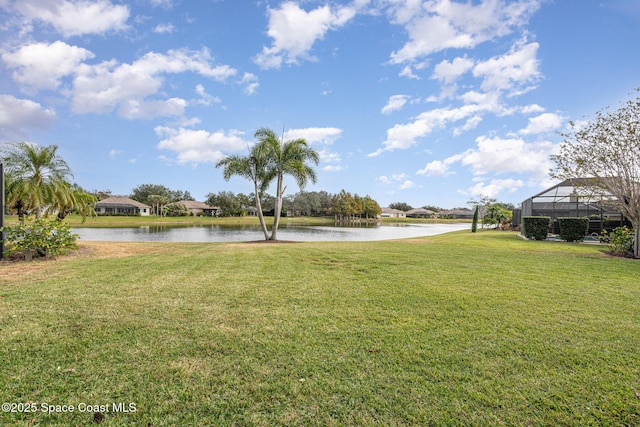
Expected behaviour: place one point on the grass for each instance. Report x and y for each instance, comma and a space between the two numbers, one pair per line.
454, 330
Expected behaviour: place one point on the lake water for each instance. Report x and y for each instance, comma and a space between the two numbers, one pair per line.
219, 233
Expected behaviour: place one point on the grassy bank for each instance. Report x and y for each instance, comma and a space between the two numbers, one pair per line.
459, 329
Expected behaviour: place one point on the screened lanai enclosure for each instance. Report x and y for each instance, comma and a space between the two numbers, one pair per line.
572, 198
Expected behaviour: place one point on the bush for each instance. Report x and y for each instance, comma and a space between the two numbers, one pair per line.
536, 227
573, 229
620, 240
42, 237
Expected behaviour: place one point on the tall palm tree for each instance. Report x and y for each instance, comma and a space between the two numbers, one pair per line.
37, 177
252, 167
285, 158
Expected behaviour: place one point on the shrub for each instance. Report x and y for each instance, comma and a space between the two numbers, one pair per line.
42, 237
573, 229
536, 227
620, 240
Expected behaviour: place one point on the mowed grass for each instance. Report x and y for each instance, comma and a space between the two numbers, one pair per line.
461, 329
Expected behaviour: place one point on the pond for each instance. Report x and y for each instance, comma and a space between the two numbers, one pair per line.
221, 233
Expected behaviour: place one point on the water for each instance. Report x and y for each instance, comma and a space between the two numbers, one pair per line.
219, 233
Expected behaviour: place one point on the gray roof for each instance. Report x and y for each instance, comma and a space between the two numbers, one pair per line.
121, 201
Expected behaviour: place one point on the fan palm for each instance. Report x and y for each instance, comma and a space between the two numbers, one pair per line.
37, 177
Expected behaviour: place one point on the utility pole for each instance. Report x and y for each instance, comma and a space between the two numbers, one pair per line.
1, 210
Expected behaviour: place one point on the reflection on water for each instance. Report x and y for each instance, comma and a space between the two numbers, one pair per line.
243, 233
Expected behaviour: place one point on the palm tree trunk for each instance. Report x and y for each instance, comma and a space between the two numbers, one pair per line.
277, 209
260, 215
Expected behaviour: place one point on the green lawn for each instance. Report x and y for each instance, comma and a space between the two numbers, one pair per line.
461, 329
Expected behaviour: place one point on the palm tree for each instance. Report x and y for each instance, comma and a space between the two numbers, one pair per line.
252, 167
37, 177
285, 158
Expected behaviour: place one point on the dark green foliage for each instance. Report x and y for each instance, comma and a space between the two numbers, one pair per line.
573, 229
620, 240
474, 224
535, 227
42, 237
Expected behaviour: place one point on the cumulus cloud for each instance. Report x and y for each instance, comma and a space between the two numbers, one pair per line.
494, 187
546, 122
512, 71
445, 24
294, 32
449, 71
18, 115
74, 18
314, 135
108, 86
43, 65
404, 136
395, 102
498, 156
200, 146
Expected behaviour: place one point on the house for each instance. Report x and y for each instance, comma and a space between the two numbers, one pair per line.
573, 198
456, 214
198, 208
121, 206
420, 213
392, 213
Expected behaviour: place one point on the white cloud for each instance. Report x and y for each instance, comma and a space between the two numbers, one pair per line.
404, 136
43, 65
384, 180
205, 98
17, 115
314, 135
448, 72
108, 86
395, 103
250, 82
294, 32
532, 109
498, 156
494, 187
444, 24
199, 146
164, 29
543, 123
332, 168
407, 185
114, 153
73, 18
511, 71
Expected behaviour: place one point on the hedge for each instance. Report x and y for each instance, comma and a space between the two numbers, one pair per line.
573, 229
535, 227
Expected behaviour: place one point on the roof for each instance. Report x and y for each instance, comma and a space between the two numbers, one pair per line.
122, 201
391, 210
192, 204
420, 211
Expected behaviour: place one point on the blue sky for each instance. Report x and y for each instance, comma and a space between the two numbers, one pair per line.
418, 101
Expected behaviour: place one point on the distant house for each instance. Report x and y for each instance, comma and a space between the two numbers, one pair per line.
198, 208
121, 206
456, 214
420, 213
392, 213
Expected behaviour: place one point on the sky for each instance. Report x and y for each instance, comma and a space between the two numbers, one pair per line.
426, 102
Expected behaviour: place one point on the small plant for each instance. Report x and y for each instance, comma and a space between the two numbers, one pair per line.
620, 240
42, 237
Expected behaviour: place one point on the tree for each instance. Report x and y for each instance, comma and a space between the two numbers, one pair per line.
254, 168
37, 178
285, 158
474, 223
401, 206
607, 151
